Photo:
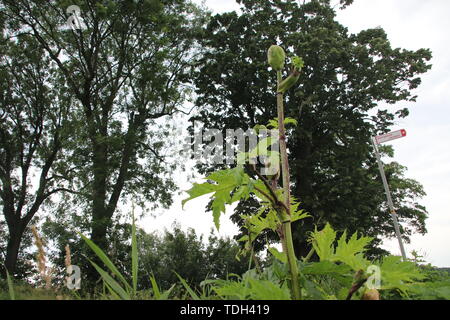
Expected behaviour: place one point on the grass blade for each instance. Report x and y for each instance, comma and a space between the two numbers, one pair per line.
104, 258
12, 295
188, 288
165, 294
111, 291
111, 283
156, 292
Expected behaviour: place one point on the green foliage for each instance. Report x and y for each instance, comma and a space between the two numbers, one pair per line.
23, 291
249, 287
350, 76
191, 292
273, 123
298, 63
434, 286
160, 255
349, 252
119, 77
339, 259
157, 293
398, 274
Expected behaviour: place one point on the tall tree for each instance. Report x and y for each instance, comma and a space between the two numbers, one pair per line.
33, 113
346, 77
124, 67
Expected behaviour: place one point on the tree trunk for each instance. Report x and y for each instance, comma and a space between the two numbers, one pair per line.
100, 220
12, 249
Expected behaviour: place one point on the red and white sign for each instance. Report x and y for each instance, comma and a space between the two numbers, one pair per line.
390, 136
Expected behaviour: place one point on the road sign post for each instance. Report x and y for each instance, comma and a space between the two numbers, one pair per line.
376, 141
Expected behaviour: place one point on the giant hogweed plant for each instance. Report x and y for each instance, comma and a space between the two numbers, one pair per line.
342, 271
231, 185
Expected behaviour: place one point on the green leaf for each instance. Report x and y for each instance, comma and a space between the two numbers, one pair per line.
262, 148
111, 291
351, 252
325, 267
281, 256
188, 288
165, 295
267, 290
235, 290
243, 238
157, 294
273, 123
292, 121
396, 273
155, 288
226, 182
258, 224
242, 193
323, 242
297, 214
199, 190
298, 63
113, 284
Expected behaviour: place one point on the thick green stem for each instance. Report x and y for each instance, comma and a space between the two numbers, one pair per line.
288, 244
309, 255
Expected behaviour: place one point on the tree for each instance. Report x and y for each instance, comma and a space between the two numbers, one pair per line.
124, 71
33, 114
24, 268
188, 255
346, 77
160, 254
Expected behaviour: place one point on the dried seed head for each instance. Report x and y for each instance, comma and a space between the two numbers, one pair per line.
276, 57
45, 273
67, 260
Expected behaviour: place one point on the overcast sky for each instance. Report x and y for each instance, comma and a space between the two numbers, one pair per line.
410, 24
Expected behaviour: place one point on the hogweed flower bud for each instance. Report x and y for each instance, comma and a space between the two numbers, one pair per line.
276, 57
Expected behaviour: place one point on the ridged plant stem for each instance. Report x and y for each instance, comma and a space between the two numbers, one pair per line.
288, 245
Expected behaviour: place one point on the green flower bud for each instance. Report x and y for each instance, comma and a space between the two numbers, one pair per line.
287, 83
276, 57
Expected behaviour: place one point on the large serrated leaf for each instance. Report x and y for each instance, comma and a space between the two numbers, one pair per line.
227, 181
199, 190
323, 242
351, 252
396, 273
